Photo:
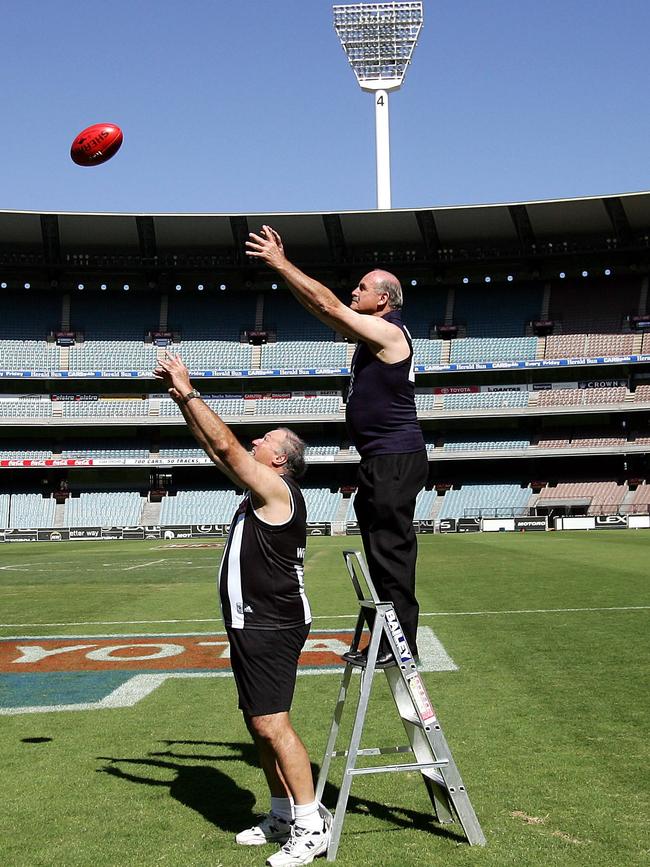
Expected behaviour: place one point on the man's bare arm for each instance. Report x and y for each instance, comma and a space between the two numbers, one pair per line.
321, 301
217, 439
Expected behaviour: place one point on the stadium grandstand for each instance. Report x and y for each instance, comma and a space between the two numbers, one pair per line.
531, 335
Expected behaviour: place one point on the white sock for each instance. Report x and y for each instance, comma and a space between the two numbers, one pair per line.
282, 808
308, 816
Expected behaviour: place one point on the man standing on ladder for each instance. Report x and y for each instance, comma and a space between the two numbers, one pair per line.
382, 423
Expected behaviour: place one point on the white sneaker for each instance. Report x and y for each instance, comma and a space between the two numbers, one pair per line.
270, 829
302, 846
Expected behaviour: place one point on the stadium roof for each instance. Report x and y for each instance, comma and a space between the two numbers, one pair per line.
439, 234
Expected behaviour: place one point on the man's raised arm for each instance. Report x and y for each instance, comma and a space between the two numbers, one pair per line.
216, 438
321, 301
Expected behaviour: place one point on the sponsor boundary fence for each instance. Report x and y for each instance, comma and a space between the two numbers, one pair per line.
485, 523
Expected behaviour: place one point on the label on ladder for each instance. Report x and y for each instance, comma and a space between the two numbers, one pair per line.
396, 630
421, 698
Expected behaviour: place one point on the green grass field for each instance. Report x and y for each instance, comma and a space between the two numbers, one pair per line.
547, 716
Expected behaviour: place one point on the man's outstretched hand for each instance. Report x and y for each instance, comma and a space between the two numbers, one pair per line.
266, 246
175, 376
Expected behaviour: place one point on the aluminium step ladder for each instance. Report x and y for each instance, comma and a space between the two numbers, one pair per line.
427, 742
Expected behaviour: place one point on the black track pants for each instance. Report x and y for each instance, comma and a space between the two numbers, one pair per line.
384, 504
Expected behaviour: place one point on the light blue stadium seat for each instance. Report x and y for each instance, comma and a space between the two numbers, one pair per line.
200, 507
103, 509
31, 510
322, 504
486, 400
427, 351
303, 353
487, 500
481, 349
471, 444
424, 504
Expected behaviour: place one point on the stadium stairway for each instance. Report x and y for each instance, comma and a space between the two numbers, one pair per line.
437, 505
150, 514
342, 511
59, 513
626, 503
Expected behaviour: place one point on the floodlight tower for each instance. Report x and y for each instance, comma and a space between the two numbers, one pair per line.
379, 39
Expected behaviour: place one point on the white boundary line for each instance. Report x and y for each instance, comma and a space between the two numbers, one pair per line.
331, 617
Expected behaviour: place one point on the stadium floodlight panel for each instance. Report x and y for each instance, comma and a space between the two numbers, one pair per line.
378, 39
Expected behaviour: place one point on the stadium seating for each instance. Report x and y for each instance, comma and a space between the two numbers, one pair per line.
304, 353
587, 439
600, 496
210, 316
215, 355
112, 355
427, 351
227, 407
581, 396
4, 509
300, 406
103, 509
105, 408
16, 452
31, 510
472, 444
25, 408
497, 311
115, 315
423, 309
553, 440
593, 307
44, 316
103, 448
485, 500
424, 503
486, 400
588, 345
425, 402
28, 355
291, 322
480, 349
322, 504
642, 394
200, 507
640, 501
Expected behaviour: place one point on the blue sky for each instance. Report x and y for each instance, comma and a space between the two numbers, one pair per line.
250, 106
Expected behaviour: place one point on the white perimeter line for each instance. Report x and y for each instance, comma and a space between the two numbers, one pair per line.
337, 616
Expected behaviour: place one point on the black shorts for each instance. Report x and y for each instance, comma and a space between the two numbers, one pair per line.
264, 662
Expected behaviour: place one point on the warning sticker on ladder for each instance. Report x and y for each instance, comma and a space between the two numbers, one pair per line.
421, 698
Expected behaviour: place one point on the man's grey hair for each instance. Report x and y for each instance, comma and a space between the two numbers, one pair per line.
394, 290
294, 448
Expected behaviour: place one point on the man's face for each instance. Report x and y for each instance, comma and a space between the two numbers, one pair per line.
267, 448
364, 298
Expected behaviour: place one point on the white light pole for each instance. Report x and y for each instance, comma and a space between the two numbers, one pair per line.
378, 39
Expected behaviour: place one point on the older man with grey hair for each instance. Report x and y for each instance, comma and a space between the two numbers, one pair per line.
381, 420
265, 612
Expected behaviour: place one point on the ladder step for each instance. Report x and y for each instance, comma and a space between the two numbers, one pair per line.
371, 751
433, 775
414, 721
389, 769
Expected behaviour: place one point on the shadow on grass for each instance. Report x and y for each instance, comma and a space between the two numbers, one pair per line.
208, 791
218, 798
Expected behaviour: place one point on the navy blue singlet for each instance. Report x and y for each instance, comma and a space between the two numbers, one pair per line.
380, 412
